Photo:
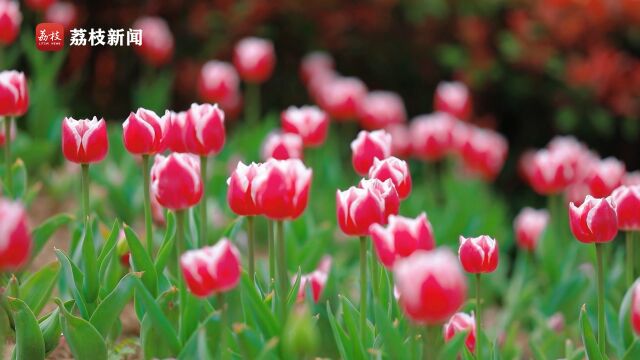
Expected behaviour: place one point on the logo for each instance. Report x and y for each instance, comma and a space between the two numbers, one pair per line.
49, 37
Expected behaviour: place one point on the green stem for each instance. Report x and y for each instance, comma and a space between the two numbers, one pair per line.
272, 252
147, 205
478, 319
203, 202
250, 236
363, 288
7, 155
85, 191
252, 97
283, 278
223, 324
630, 257
182, 289
602, 341
375, 272
431, 341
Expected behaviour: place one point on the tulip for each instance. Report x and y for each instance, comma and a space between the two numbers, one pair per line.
484, 152
157, 212
595, 221
461, 322
394, 169
453, 98
478, 255
282, 146
176, 132
315, 280
211, 270
550, 173
13, 131
309, 122
232, 105
255, 59
39, 5
631, 178
319, 84
218, 81
176, 182
157, 40
401, 238
14, 101
367, 147
64, 13
15, 236
380, 109
528, 226
314, 64
144, 134
83, 142
635, 310
431, 286
626, 200
605, 176
432, 135
241, 202
342, 97
387, 191
10, 19
400, 140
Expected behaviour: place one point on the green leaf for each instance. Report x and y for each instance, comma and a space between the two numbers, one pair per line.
84, 340
37, 288
43, 233
91, 282
633, 352
51, 329
108, 311
537, 352
624, 317
29, 340
204, 341
159, 320
392, 338
264, 316
19, 173
140, 261
110, 244
167, 248
151, 339
292, 297
589, 340
454, 347
341, 338
350, 317
73, 277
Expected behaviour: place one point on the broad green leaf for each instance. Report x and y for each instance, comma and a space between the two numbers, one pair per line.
43, 233
633, 352
292, 297
624, 317
454, 347
588, 338
204, 340
29, 340
91, 282
392, 339
351, 318
341, 338
250, 341
51, 329
266, 320
159, 320
112, 241
108, 311
167, 248
73, 277
140, 261
19, 173
84, 340
151, 338
36, 289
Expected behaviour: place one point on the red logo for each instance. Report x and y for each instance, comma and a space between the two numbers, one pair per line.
49, 37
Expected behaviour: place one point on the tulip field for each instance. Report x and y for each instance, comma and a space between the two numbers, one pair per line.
344, 226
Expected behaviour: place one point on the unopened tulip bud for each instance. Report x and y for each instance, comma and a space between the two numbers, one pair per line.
380, 109
461, 322
367, 147
478, 255
15, 236
211, 270
309, 122
255, 59
10, 20
453, 98
394, 169
358, 209
280, 190
176, 182
204, 133
594, 221
282, 146
240, 188
627, 203
157, 40
84, 141
144, 132
14, 95
401, 238
529, 226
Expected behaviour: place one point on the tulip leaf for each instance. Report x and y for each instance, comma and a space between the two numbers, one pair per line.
19, 174
454, 347
588, 338
51, 328
624, 317
29, 340
43, 233
108, 311
350, 317
110, 244
633, 352
73, 277
109, 273
140, 261
342, 340
156, 316
167, 248
292, 297
264, 316
91, 282
392, 339
84, 340
151, 340
37, 288
204, 340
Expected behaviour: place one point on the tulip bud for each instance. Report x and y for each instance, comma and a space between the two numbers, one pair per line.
10, 20
529, 225
358, 209
635, 309
432, 135
14, 96
204, 133
122, 250
380, 109
301, 337
309, 122
176, 124
3, 137
84, 141
316, 281
240, 188
549, 172
15, 236
342, 97
255, 59
218, 80
627, 204
157, 40
453, 98
367, 147
394, 169
594, 220
556, 322
282, 146
175, 181
400, 140
605, 176
458, 323
315, 64
401, 238
387, 191
478, 255
143, 132
281, 189
484, 152
212, 269
431, 286
64, 13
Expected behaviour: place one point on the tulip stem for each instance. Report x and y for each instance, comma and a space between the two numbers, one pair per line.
250, 236
430, 342
375, 273
203, 202
147, 205
283, 279
363, 288
602, 341
272, 252
253, 102
182, 290
85, 191
7, 155
223, 324
478, 320
630, 257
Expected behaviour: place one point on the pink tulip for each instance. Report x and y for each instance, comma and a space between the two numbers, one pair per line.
484, 153
176, 124
204, 133
635, 309
316, 280
342, 97
309, 122
10, 20
314, 64
15, 236
157, 40
395, 169
627, 204
358, 209
432, 135
84, 141
282, 146
400, 140
211, 270
550, 172
175, 181
461, 322
255, 59
64, 13
401, 238
240, 188
529, 225
605, 176
387, 192
217, 81
39, 5
14, 95
143, 132
593, 221
380, 109
367, 147
453, 98
478, 255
